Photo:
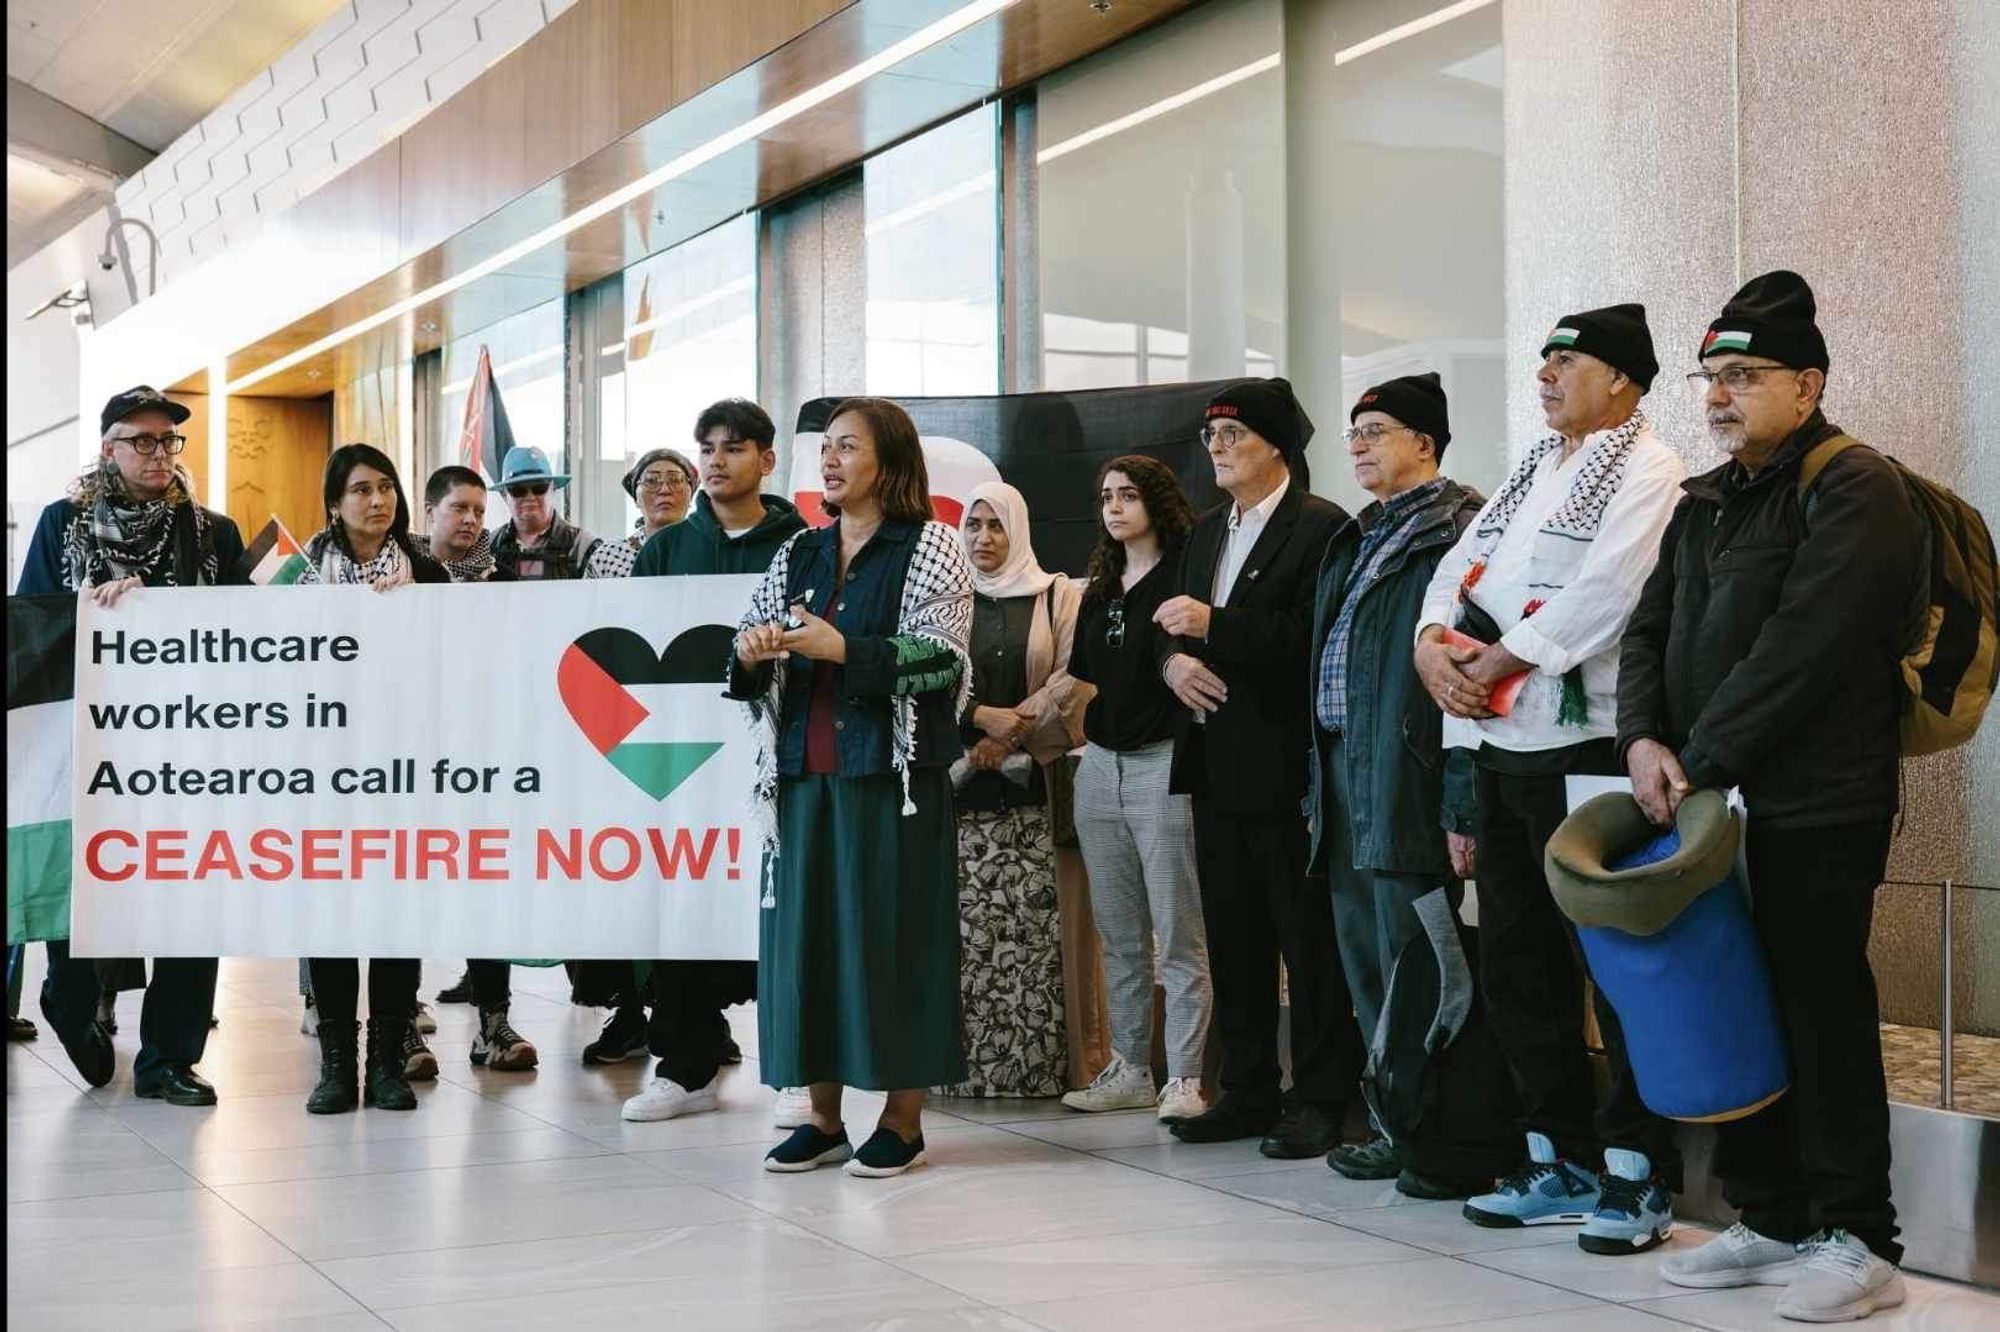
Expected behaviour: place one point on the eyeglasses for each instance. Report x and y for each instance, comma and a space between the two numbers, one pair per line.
1114, 624
521, 492
671, 482
148, 445
1371, 433
1222, 438
1735, 378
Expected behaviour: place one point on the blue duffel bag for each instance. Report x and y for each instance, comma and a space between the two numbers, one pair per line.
1666, 927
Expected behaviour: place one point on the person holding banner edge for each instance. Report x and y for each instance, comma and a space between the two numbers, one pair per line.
366, 542
455, 518
733, 528
131, 521
853, 660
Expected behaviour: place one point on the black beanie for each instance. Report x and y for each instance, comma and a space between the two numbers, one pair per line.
1415, 400
1771, 316
1616, 335
1268, 407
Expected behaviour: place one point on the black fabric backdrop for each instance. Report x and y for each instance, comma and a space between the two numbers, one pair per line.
1050, 445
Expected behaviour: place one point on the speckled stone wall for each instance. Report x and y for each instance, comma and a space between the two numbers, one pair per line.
1868, 160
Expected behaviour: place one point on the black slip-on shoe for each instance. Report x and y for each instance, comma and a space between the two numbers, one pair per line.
885, 1154
808, 1149
176, 1086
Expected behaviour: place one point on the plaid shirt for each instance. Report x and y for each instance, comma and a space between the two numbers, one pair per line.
1379, 544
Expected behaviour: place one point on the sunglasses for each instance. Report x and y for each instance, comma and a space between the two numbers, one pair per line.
537, 488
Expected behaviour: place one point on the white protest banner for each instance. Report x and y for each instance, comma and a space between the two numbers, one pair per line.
492, 770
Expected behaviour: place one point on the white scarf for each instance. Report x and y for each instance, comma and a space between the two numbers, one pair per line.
1022, 575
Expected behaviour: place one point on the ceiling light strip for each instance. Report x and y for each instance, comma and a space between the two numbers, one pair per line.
1161, 107
917, 42
1410, 29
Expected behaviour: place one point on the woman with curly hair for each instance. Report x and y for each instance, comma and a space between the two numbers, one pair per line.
1137, 839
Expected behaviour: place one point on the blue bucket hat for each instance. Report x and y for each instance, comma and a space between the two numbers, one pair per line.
523, 465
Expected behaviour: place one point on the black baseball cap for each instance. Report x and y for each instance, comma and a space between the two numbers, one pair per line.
144, 398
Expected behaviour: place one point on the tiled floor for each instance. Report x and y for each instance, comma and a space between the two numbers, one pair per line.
522, 1201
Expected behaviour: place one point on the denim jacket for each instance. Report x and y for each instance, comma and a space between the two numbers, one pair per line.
878, 662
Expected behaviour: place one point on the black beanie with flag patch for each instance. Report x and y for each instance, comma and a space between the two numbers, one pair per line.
1415, 400
1267, 406
1616, 335
1773, 317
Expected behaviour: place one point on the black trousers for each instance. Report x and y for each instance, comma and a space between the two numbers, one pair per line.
598, 983
1818, 1157
1531, 976
1257, 906
492, 982
173, 1024
686, 1029
392, 987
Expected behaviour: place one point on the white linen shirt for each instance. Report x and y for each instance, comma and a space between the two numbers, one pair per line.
1245, 526
1589, 590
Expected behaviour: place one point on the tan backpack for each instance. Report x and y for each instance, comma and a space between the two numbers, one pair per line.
1950, 659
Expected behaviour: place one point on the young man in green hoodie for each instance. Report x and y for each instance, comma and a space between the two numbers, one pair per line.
733, 528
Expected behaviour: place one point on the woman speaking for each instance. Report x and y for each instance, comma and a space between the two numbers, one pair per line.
853, 659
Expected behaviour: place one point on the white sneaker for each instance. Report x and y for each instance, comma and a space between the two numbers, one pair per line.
1181, 1100
1840, 1280
663, 1098
1739, 1256
793, 1108
426, 1021
1121, 1086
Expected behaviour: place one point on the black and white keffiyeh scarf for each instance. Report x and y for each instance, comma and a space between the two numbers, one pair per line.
477, 565
936, 606
1597, 480
329, 561
116, 536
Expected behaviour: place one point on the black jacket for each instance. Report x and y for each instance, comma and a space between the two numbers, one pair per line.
1250, 756
43, 568
1392, 746
1765, 649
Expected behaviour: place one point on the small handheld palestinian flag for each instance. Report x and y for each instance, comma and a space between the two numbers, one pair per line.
41, 688
274, 558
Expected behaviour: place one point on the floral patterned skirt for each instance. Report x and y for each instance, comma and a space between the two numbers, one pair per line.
1010, 956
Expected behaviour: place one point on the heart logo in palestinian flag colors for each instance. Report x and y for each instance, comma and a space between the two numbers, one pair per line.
618, 692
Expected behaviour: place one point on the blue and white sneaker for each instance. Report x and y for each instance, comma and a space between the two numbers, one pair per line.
1545, 1192
1634, 1211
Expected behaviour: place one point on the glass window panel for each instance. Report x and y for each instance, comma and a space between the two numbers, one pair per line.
1183, 126
527, 355
1415, 215
931, 210
690, 339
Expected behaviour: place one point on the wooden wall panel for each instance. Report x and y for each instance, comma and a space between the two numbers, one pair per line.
277, 452
570, 71
195, 458
366, 410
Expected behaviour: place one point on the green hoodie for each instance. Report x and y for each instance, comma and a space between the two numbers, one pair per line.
698, 545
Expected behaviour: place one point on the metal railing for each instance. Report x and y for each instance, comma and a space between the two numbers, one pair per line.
1947, 1007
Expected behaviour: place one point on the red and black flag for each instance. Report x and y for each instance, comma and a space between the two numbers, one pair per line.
486, 436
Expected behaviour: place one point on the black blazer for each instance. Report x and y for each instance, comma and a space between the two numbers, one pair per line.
1250, 756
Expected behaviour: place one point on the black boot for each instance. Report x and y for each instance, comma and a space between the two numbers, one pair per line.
339, 1088
388, 1088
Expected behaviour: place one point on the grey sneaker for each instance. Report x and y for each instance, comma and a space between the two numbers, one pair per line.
1739, 1256
1840, 1281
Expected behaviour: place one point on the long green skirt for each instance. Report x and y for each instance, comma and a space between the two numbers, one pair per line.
857, 973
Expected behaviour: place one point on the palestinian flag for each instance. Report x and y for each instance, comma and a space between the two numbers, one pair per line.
274, 558
486, 436
1721, 340
1560, 337
41, 680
